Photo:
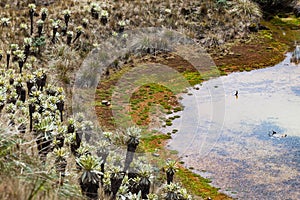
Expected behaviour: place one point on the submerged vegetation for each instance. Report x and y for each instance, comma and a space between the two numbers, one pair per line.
47, 152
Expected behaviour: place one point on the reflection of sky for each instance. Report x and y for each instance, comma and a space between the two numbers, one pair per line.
228, 137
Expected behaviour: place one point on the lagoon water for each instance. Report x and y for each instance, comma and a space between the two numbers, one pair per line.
226, 139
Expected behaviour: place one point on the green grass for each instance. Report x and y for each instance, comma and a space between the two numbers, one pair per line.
193, 77
197, 185
150, 142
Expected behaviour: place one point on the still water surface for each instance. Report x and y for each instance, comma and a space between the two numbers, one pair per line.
227, 138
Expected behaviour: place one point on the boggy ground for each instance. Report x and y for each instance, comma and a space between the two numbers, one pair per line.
264, 48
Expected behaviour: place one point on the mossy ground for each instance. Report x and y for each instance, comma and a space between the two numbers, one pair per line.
263, 49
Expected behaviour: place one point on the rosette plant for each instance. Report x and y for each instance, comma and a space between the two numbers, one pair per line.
183, 194
116, 178
51, 90
11, 118
132, 196
8, 53
85, 22
21, 92
40, 25
78, 138
67, 16
134, 184
104, 17
171, 192
21, 125
60, 136
2, 102
41, 78
69, 37
145, 183
27, 45
121, 26
75, 132
60, 105
89, 179
60, 160
23, 28
95, 10
21, 59
11, 81
14, 48
55, 26
71, 125
44, 137
10, 108
32, 106
171, 168
79, 31
152, 197
32, 8
23, 95
30, 82
103, 152
106, 183
5, 21
11, 98
44, 13
84, 149
134, 134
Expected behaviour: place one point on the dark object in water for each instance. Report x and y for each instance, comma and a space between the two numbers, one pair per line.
274, 134
236, 94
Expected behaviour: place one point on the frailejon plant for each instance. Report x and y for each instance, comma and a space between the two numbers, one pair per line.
171, 192
60, 160
60, 105
8, 53
32, 8
95, 9
5, 22
145, 183
27, 45
103, 152
104, 17
69, 37
55, 26
116, 178
41, 78
40, 25
171, 168
2, 102
44, 137
79, 31
60, 132
44, 13
67, 16
134, 134
121, 26
90, 177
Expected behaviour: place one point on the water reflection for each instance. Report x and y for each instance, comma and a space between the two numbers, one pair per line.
228, 137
